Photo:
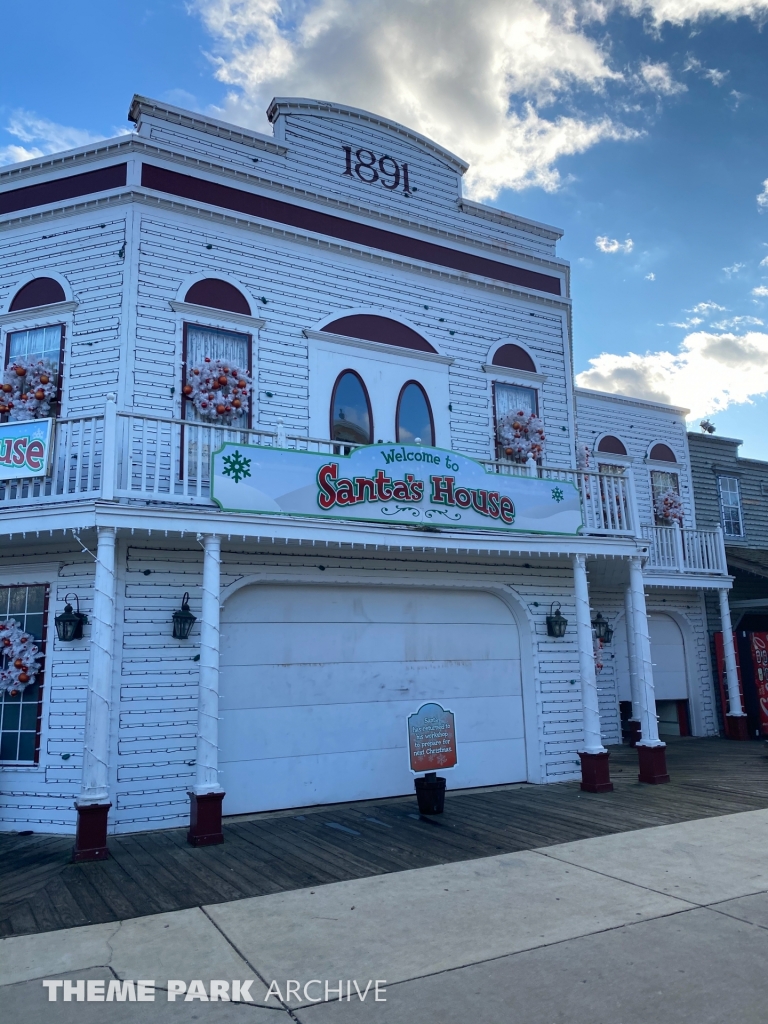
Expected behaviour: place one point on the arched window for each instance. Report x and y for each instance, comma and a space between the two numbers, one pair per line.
43, 291
414, 423
611, 445
379, 328
218, 294
514, 357
662, 453
351, 418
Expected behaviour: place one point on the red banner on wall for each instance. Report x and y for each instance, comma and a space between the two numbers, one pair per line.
758, 644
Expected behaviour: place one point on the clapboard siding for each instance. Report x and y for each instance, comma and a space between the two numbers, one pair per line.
712, 457
639, 426
303, 289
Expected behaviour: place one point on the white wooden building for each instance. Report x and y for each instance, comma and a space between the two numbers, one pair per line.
337, 264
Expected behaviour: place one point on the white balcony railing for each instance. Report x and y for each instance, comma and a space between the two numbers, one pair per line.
118, 456
674, 549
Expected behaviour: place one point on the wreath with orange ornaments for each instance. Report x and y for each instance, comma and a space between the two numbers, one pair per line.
20, 658
28, 389
220, 392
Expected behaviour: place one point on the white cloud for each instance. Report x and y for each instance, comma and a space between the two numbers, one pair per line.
658, 78
606, 244
730, 271
762, 199
476, 77
692, 321
705, 307
708, 373
764, 261
761, 290
48, 137
650, 277
444, 67
738, 321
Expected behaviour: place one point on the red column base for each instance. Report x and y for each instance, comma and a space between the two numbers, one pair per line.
634, 732
91, 834
205, 819
653, 764
595, 777
736, 727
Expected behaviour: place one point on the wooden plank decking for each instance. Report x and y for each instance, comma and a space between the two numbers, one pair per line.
151, 872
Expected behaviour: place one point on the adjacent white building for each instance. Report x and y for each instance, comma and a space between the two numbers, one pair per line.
335, 270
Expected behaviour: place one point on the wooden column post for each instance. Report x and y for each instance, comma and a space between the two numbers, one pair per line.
634, 675
651, 751
735, 720
207, 795
93, 802
595, 776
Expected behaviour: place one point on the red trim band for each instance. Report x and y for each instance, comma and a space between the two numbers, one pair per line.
63, 188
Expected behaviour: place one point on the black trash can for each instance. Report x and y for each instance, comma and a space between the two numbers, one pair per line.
430, 793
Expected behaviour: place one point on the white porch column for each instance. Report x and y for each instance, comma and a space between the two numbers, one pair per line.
648, 721
593, 743
207, 778
93, 802
634, 675
731, 673
94, 787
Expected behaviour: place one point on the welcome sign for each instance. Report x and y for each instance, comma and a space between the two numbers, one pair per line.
405, 484
25, 448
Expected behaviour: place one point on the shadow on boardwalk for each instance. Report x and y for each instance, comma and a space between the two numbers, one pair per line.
152, 872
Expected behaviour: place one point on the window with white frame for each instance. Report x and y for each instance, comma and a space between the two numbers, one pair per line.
662, 482
212, 343
45, 344
20, 710
730, 506
512, 398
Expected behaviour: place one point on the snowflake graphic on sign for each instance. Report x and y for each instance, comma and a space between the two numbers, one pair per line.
236, 466
557, 494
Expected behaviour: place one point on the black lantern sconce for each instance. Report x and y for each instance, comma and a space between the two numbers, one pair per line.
602, 629
556, 622
183, 620
69, 624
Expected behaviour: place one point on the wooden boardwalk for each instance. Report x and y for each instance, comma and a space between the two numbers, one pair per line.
152, 872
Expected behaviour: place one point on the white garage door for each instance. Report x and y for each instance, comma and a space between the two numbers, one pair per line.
668, 657
317, 683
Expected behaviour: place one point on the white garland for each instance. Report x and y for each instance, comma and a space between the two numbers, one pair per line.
221, 393
20, 657
521, 434
28, 388
669, 506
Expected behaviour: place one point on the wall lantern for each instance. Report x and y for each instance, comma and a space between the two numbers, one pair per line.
602, 629
183, 620
69, 624
556, 622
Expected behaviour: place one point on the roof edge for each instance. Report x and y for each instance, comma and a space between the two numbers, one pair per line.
667, 407
202, 123
281, 105
511, 219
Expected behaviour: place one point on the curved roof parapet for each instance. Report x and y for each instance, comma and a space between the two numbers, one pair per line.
282, 105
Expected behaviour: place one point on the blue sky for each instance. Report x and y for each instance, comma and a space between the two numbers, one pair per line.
639, 126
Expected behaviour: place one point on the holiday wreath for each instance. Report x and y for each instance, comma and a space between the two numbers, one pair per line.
28, 388
221, 393
669, 506
19, 657
521, 435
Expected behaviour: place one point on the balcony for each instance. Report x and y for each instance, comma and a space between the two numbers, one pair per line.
679, 550
119, 456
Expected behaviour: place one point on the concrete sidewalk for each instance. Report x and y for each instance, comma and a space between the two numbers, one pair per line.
667, 924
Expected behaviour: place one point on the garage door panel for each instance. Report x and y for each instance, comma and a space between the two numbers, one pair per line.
276, 685
290, 603
263, 733
317, 684
261, 643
